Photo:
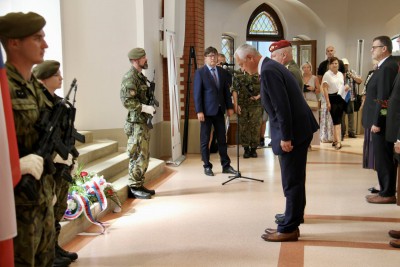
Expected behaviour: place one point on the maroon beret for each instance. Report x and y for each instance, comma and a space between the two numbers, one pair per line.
278, 45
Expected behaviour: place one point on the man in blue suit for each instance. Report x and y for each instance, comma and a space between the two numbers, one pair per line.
211, 99
292, 126
380, 88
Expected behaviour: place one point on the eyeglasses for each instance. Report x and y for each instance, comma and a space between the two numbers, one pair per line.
375, 46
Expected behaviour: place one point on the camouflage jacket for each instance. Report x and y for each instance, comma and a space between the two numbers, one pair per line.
133, 94
247, 86
28, 101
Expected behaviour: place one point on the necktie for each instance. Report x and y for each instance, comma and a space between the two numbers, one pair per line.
214, 76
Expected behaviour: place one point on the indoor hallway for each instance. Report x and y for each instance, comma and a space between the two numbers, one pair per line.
194, 220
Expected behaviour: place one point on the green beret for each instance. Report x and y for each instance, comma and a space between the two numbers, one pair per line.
46, 69
20, 25
136, 53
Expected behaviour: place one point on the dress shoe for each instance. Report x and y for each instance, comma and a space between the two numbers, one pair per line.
377, 199
135, 192
208, 171
60, 252
144, 189
352, 135
281, 237
229, 170
395, 243
338, 145
373, 190
273, 231
61, 262
334, 143
394, 234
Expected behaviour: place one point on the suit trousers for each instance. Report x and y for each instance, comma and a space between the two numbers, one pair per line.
384, 164
293, 172
218, 121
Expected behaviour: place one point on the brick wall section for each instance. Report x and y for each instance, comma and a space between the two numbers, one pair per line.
194, 36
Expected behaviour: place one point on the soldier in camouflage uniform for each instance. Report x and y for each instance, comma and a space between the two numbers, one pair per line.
22, 37
48, 74
134, 97
246, 95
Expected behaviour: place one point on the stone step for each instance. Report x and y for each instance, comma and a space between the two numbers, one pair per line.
95, 150
109, 165
88, 138
69, 229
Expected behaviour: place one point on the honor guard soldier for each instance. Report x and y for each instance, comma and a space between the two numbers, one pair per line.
49, 75
247, 103
134, 97
23, 40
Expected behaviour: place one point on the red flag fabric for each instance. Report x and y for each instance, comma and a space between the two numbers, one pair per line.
10, 173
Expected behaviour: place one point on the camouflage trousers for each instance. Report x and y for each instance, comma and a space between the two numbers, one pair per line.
250, 123
138, 152
34, 243
61, 191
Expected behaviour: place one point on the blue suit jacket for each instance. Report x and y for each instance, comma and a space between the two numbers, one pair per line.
290, 116
379, 87
207, 96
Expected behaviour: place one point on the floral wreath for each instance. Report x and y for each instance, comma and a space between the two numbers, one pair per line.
86, 189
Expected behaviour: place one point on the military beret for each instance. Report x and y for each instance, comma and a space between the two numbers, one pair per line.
20, 25
46, 69
136, 53
278, 45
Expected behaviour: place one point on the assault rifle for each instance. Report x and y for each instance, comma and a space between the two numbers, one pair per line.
70, 136
152, 99
50, 141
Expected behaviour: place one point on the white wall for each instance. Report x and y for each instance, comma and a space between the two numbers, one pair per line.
50, 10
97, 36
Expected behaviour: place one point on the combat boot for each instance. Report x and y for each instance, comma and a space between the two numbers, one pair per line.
246, 154
61, 261
62, 253
253, 153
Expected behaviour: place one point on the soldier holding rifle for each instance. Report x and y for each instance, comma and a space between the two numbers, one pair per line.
136, 99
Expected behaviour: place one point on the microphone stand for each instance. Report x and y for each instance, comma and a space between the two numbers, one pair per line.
238, 174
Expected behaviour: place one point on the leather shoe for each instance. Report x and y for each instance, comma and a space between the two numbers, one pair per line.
144, 189
208, 171
373, 190
135, 192
394, 234
351, 135
273, 231
281, 237
377, 199
395, 243
229, 170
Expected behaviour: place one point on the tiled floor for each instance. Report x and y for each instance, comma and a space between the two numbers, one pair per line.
194, 220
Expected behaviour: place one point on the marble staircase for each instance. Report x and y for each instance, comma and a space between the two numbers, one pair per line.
105, 158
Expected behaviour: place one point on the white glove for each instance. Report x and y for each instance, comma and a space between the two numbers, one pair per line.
59, 159
32, 164
148, 109
74, 169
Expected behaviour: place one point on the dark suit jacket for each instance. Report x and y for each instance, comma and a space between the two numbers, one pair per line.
290, 116
207, 96
379, 87
393, 113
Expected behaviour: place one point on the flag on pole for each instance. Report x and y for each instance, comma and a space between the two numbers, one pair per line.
9, 172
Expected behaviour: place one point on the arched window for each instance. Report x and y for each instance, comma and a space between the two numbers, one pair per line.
227, 46
264, 25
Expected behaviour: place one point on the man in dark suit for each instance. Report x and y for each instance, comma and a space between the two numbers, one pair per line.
292, 126
211, 99
393, 135
379, 89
